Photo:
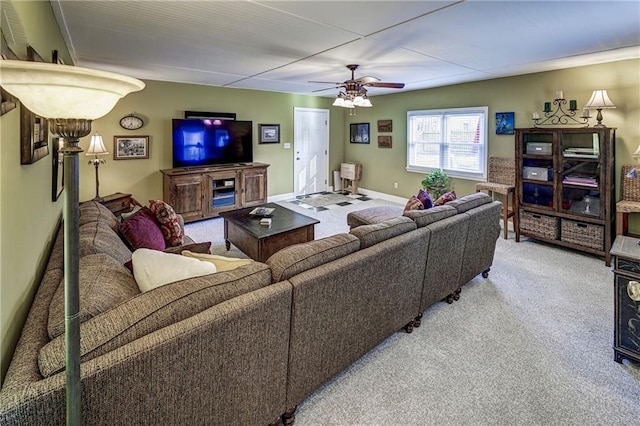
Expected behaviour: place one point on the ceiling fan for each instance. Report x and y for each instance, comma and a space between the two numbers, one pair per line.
355, 90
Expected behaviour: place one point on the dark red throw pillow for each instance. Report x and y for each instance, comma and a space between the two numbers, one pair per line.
142, 230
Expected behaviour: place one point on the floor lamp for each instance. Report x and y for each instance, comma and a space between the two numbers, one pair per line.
70, 98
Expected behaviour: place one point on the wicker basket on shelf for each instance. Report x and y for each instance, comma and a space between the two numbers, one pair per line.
541, 225
584, 234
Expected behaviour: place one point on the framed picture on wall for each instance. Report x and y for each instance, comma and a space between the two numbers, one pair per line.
58, 168
504, 123
384, 141
130, 147
269, 133
385, 126
359, 133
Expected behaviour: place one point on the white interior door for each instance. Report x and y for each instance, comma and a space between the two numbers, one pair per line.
311, 149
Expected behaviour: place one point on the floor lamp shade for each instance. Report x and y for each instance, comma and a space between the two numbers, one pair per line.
64, 91
70, 97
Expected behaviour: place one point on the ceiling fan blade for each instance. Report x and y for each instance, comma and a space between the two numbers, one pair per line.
388, 85
326, 88
367, 79
325, 82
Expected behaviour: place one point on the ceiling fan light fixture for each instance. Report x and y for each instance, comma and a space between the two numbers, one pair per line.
339, 101
366, 103
348, 103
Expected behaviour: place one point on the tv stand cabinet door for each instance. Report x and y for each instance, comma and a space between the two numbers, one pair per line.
254, 186
185, 195
222, 192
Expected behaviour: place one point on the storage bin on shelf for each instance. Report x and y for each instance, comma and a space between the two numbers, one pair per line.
542, 225
582, 233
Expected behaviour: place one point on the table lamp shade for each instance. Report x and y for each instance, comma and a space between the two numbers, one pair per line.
64, 91
599, 99
96, 147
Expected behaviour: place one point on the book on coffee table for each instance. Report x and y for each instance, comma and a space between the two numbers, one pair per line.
262, 211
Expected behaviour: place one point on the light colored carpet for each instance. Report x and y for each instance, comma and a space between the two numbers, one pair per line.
530, 345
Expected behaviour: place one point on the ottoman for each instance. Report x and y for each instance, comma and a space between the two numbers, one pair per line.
373, 215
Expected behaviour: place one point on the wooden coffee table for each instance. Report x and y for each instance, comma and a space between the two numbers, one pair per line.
258, 241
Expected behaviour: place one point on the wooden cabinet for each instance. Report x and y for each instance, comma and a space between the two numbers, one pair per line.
565, 187
204, 192
254, 186
626, 296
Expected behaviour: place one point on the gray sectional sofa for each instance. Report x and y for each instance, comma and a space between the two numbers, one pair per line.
244, 346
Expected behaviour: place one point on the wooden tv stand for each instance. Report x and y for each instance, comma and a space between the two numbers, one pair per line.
203, 192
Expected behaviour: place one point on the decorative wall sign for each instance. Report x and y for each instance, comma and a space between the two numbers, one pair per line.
385, 126
269, 133
359, 133
384, 141
58, 168
504, 123
130, 147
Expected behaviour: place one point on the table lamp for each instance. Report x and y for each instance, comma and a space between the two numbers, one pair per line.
599, 100
96, 148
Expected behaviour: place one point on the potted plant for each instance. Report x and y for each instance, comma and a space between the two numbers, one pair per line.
436, 183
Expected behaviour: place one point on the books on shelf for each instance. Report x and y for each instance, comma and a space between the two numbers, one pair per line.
582, 152
583, 180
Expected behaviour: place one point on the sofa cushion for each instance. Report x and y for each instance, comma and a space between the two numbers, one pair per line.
373, 215
373, 234
153, 268
169, 223
470, 201
142, 230
298, 258
153, 310
434, 214
413, 204
98, 237
104, 283
222, 263
93, 211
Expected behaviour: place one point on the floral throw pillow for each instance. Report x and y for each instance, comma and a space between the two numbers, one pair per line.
445, 198
169, 223
413, 204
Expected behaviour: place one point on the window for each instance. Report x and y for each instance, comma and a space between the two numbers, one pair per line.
451, 140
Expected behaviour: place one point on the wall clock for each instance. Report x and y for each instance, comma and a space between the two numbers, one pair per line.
131, 122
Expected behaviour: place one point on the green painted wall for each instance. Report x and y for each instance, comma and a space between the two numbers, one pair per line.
160, 102
28, 217
522, 95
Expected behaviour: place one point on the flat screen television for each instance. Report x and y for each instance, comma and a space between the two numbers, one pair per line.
207, 142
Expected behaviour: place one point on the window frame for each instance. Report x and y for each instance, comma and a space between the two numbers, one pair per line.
483, 111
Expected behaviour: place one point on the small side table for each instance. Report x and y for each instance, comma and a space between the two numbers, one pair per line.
118, 203
626, 285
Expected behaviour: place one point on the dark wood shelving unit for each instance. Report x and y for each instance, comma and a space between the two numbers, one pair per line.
565, 187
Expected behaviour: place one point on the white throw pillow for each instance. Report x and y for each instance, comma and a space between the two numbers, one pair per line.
222, 263
153, 268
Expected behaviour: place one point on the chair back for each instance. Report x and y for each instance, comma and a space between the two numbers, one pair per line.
502, 170
630, 185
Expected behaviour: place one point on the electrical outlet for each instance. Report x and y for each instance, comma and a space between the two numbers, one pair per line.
395, 185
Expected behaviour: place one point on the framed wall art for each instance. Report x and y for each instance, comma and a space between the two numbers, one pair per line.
58, 168
269, 133
384, 141
34, 137
385, 126
130, 147
359, 133
504, 123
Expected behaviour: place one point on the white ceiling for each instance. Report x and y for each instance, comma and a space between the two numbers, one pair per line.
281, 45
